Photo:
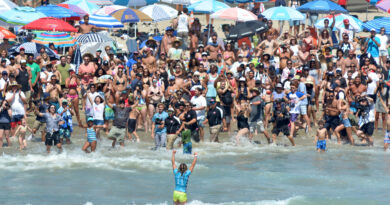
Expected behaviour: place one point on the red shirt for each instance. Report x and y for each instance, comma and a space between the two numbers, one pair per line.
90, 68
342, 2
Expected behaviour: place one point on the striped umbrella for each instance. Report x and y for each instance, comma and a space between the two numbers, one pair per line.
21, 15
58, 12
130, 15
207, 6
85, 5
4, 33
377, 24
59, 39
77, 59
354, 22
32, 48
134, 3
181, 2
104, 21
282, 13
235, 14
159, 12
93, 38
74, 8
107, 10
101, 2
384, 5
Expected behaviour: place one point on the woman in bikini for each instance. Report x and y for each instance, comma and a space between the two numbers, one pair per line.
140, 95
146, 79
73, 83
120, 83
244, 51
198, 55
155, 94
228, 55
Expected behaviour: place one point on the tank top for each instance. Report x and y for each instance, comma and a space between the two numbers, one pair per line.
98, 111
91, 134
194, 86
211, 91
242, 122
22, 79
4, 117
182, 25
314, 74
295, 50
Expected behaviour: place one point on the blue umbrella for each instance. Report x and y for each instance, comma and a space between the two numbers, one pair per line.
377, 24
21, 15
354, 22
321, 7
58, 12
104, 21
207, 6
244, 1
134, 3
282, 13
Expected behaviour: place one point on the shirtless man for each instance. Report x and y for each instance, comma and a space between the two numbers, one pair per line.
213, 48
149, 61
251, 81
13, 67
348, 61
86, 27
284, 53
133, 116
194, 41
54, 89
273, 32
168, 39
22, 55
356, 89
268, 45
331, 113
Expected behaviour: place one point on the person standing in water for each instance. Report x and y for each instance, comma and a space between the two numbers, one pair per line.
181, 179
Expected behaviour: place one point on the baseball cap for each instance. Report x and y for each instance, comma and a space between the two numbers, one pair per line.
90, 119
240, 55
171, 110
99, 50
279, 85
64, 101
212, 101
346, 21
205, 54
242, 79
372, 30
11, 57
197, 73
22, 48
169, 29
172, 78
200, 45
338, 69
4, 72
105, 62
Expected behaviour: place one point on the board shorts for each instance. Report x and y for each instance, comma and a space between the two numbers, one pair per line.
65, 133
52, 138
16, 120
303, 109
321, 144
187, 148
285, 130
368, 128
215, 129
294, 117
332, 122
259, 125
108, 113
131, 123
200, 122
98, 122
180, 197
38, 124
171, 138
117, 133
5, 126
383, 52
387, 137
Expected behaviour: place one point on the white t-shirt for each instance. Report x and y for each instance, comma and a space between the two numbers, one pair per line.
199, 102
98, 111
17, 106
383, 40
372, 86
88, 104
2, 83
350, 31
182, 23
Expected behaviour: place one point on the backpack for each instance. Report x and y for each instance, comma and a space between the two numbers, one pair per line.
227, 98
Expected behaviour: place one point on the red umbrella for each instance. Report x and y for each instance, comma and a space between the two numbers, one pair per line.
50, 24
4, 33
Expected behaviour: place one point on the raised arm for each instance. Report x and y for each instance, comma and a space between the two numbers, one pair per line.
173, 160
194, 161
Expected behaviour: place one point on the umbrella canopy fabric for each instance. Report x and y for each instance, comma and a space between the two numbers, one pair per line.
104, 21
101, 2
74, 8
107, 10
244, 1
235, 14
130, 15
207, 6
384, 5
77, 59
58, 12
245, 29
377, 24
21, 15
93, 38
322, 7
372, 2
4, 33
159, 12
33, 48
50, 24
181, 2
6, 5
281, 13
134, 3
85, 5
356, 23
59, 39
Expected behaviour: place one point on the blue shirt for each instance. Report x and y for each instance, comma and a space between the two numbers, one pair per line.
162, 116
181, 181
372, 48
302, 89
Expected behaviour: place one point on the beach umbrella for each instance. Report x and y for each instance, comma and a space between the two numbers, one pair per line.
134, 3
207, 6
21, 15
85, 5
322, 7
104, 21
384, 5
58, 12
32, 48
50, 24
354, 22
245, 29
244, 1
93, 38
377, 24
130, 15
101, 2
107, 10
235, 14
77, 59
372, 2
4, 33
159, 12
59, 39
6, 5
281, 13
74, 8
180, 2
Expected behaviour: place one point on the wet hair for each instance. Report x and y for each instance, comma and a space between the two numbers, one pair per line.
182, 168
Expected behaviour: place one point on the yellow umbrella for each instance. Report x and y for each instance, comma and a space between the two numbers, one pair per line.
130, 15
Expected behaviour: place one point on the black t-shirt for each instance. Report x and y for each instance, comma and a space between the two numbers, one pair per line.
121, 116
172, 124
215, 116
188, 117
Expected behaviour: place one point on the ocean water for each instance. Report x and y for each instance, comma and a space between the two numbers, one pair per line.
225, 174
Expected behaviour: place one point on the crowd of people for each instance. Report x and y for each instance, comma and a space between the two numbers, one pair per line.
271, 84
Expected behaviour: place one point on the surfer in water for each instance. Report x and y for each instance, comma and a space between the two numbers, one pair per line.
181, 179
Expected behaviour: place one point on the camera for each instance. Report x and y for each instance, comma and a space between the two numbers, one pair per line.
158, 121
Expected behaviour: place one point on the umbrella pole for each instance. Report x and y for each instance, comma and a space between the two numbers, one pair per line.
208, 30
367, 10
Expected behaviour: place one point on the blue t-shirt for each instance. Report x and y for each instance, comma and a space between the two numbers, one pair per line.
181, 181
372, 48
162, 116
302, 89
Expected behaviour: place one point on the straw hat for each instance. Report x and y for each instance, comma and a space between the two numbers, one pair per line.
177, 41
150, 40
12, 84
255, 90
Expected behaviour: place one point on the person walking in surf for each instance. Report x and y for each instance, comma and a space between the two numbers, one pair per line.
181, 179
